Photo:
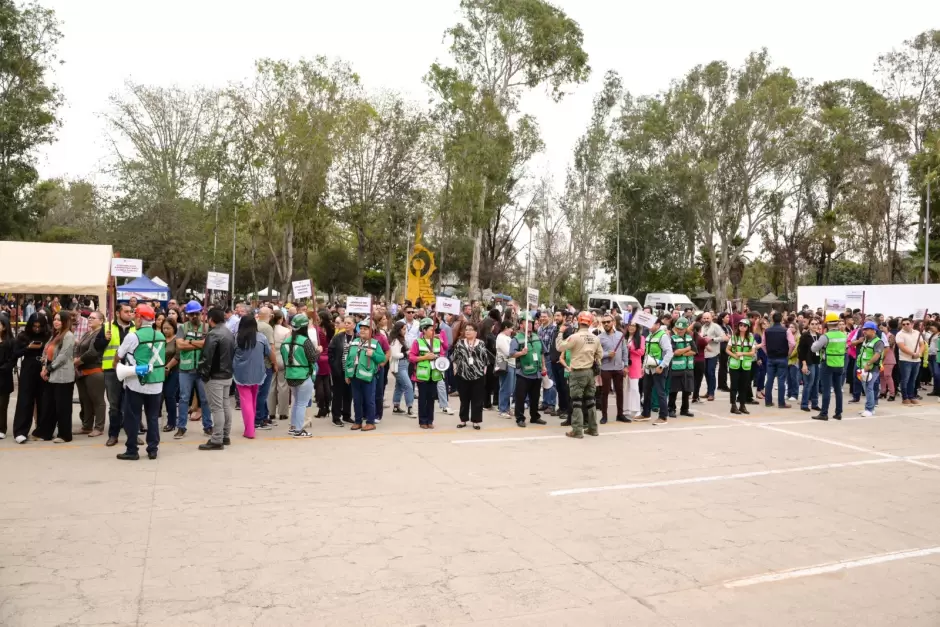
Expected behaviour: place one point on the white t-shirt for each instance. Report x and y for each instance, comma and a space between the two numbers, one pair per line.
909, 340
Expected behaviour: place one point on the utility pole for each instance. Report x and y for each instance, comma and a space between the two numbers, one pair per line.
927, 236
617, 209
234, 240
528, 266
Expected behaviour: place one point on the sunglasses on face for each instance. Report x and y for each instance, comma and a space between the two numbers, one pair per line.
409, 313
607, 322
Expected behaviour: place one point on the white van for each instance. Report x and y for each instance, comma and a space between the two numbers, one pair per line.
607, 302
667, 302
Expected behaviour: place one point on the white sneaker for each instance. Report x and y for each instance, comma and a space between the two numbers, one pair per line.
2, 435
503, 414
20, 439
447, 410
866, 414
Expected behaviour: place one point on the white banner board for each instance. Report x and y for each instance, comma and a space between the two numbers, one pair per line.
644, 319
132, 268
532, 296
920, 314
302, 289
217, 281
359, 305
448, 305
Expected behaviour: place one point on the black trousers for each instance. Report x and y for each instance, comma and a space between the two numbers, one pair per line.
323, 389
564, 392
472, 393
342, 398
681, 382
56, 412
4, 408
698, 373
611, 378
30, 397
723, 367
427, 396
527, 389
490, 391
741, 391
655, 384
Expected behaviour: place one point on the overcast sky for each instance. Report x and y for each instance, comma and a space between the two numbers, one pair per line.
392, 43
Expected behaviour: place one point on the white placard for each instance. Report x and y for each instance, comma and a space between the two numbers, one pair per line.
359, 305
448, 305
835, 304
533, 297
855, 298
920, 314
302, 289
127, 267
217, 281
644, 319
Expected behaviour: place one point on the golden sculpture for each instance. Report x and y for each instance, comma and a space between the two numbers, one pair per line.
420, 269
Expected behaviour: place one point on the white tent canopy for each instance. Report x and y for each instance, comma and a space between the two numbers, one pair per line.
40, 268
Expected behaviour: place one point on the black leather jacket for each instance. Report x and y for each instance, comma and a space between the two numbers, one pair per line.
217, 354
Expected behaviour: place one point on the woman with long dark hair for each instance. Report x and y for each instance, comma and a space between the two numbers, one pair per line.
636, 347
470, 361
251, 348
89, 376
171, 385
58, 370
723, 320
323, 385
7, 362
31, 395
398, 367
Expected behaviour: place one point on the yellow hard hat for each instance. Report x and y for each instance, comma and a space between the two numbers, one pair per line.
832, 317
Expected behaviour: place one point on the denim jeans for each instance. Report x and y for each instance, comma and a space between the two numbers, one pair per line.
404, 386
793, 381
298, 409
872, 388
261, 407
442, 394
760, 373
934, 373
188, 380
379, 392
909, 370
810, 387
830, 380
363, 393
550, 396
710, 381
507, 383
776, 369
171, 396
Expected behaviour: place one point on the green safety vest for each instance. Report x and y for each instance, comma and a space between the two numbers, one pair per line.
834, 351
151, 350
866, 352
685, 362
189, 359
567, 361
652, 345
530, 363
361, 366
424, 371
738, 345
110, 351
296, 365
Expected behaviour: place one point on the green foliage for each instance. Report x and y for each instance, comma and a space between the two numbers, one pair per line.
28, 105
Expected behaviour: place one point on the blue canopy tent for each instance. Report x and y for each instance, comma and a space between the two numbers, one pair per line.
142, 289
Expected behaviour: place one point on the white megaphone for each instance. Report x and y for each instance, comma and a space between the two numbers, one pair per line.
123, 371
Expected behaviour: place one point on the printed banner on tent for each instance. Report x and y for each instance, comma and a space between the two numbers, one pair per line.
448, 305
359, 305
644, 319
132, 268
302, 289
217, 281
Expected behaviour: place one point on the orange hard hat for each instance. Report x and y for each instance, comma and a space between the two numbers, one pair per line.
585, 318
145, 312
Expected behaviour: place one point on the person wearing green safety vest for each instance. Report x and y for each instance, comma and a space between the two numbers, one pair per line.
526, 349
362, 365
656, 366
831, 348
870, 355
115, 333
741, 352
191, 338
682, 367
423, 352
300, 369
146, 350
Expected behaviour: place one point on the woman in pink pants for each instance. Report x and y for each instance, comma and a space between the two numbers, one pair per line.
251, 348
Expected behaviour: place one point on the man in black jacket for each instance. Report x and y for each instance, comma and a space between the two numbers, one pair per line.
215, 369
342, 392
778, 348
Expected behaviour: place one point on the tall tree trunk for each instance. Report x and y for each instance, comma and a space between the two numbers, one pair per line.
388, 274
289, 253
475, 293
360, 258
270, 285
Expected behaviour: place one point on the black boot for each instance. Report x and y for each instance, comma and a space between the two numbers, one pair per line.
744, 409
734, 409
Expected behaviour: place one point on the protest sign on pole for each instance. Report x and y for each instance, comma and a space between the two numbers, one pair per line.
217, 281
835, 305
302, 289
532, 298
359, 305
448, 305
131, 268
643, 319
920, 314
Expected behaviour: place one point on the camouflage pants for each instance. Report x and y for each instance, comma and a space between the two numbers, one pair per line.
582, 387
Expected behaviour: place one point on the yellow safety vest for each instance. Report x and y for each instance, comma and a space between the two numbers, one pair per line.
110, 351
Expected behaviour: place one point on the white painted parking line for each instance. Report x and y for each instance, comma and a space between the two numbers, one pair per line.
821, 569
738, 475
603, 433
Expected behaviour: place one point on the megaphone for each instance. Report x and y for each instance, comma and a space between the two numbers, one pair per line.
123, 371
547, 382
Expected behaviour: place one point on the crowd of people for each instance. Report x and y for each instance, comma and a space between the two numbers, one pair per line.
156, 369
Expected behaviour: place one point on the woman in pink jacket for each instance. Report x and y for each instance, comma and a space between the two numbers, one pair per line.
636, 345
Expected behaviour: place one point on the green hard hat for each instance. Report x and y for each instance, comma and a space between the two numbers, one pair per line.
425, 323
299, 321
682, 323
